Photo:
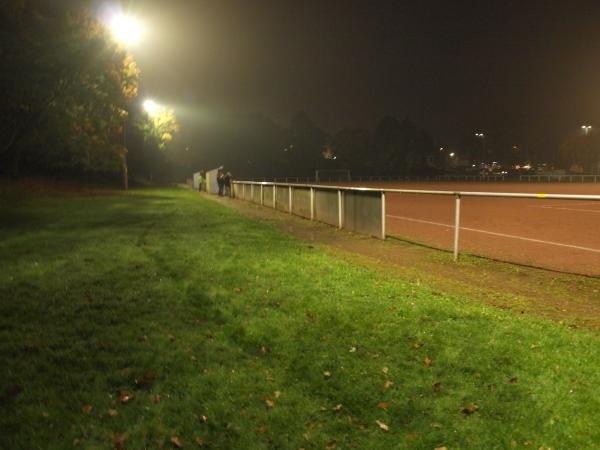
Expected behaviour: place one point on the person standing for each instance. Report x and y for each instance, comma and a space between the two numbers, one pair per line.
227, 183
220, 181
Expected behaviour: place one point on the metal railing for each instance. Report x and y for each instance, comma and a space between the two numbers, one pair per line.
341, 190
538, 178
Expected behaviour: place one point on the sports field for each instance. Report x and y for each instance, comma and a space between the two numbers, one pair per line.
161, 319
556, 234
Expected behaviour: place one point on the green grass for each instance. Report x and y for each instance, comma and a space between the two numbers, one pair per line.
227, 316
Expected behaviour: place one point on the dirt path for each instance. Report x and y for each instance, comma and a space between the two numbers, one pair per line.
569, 299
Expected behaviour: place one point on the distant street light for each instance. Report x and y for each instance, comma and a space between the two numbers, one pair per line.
451, 155
482, 137
586, 128
126, 30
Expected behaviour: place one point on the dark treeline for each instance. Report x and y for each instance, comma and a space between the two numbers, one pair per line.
255, 146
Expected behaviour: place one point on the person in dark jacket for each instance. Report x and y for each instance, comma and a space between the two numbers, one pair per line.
227, 183
221, 181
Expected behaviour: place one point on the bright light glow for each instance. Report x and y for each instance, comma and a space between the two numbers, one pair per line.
480, 135
452, 155
126, 30
151, 107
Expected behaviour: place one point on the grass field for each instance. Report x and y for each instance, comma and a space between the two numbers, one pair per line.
161, 319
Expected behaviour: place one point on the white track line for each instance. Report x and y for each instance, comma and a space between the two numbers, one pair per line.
565, 209
539, 241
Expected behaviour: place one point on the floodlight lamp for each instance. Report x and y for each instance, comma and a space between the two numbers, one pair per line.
126, 30
151, 107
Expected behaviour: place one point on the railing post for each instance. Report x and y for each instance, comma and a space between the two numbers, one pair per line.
252, 193
244, 191
312, 203
340, 209
383, 215
290, 206
262, 196
456, 226
274, 197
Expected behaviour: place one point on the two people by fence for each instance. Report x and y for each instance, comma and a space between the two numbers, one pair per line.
224, 182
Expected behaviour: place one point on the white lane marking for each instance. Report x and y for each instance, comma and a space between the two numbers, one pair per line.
565, 209
511, 236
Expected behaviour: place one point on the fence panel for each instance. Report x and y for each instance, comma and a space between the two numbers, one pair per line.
238, 190
282, 199
256, 194
326, 206
268, 196
363, 212
301, 202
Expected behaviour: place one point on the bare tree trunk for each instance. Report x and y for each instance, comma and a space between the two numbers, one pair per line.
125, 174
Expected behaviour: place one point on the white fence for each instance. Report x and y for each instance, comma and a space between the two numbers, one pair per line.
546, 178
359, 209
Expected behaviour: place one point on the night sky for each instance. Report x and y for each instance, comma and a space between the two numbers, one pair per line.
524, 72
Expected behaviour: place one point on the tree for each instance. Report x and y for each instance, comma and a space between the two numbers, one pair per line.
581, 153
400, 146
306, 144
148, 138
65, 89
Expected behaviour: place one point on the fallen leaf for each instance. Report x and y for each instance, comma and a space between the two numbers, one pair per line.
113, 412
338, 407
388, 384
382, 425
327, 374
310, 314
176, 442
124, 396
331, 445
171, 337
261, 429
199, 442
441, 448
270, 403
45, 413
156, 399
385, 370
427, 362
513, 380
437, 426
382, 405
143, 338
411, 436
87, 409
203, 419
492, 387
277, 394
471, 408
264, 350
436, 386
146, 379
237, 290
352, 349
417, 344
119, 440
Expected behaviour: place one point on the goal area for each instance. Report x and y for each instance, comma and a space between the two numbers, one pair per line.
332, 175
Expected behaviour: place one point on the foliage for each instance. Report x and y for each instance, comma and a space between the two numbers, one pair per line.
581, 153
133, 320
65, 91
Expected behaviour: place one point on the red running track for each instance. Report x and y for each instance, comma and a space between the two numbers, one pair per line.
556, 234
